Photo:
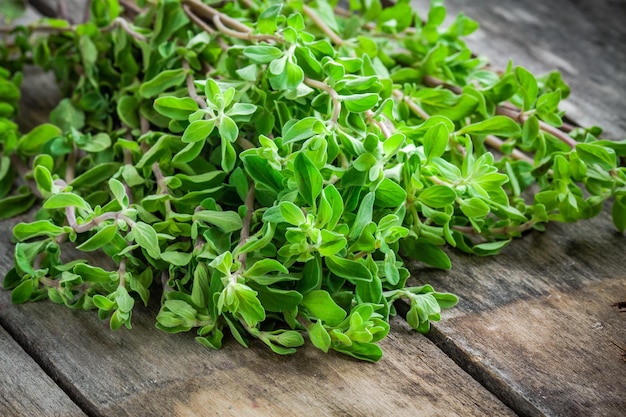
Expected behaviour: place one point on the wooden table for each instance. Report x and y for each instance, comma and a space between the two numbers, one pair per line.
535, 333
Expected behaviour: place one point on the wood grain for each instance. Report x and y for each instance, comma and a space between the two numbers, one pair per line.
25, 390
584, 39
145, 372
537, 325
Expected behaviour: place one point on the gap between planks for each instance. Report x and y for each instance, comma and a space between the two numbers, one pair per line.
58, 377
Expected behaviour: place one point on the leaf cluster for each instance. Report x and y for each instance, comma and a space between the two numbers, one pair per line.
269, 165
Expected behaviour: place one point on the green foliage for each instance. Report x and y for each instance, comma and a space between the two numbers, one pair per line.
270, 174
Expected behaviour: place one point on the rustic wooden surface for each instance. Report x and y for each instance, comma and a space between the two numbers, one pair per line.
25, 389
535, 326
584, 39
148, 373
145, 372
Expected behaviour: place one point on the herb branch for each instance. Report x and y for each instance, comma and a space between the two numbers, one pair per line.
271, 165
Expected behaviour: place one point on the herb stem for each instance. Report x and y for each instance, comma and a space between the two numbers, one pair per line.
323, 26
70, 213
506, 110
498, 143
121, 271
399, 95
247, 35
191, 88
247, 220
334, 96
386, 130
505, 230
130, 5
521, 118
123, 23
209, 12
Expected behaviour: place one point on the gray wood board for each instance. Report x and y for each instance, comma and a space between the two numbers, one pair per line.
145, 372
537, 324
583, 39
25, 389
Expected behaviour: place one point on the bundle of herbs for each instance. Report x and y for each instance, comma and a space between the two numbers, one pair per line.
264, 166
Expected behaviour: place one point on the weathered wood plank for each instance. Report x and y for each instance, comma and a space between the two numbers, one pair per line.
537, 324
583, 39
25, 390
145, 372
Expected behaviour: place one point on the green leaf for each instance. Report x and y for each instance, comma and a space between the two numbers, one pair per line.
94, 273
389, 194
319, 336
176, 258
128, 111
63, 200
228, 129
265, 266
103, 303
66, 116
262, 172
99, 239
14, 205
348, 269
437, 196
294, 75
25, 231
226, 221
177, 108
436, 141
262, 54
277, 300
425, 251
198, 130
119, 192
363, 216
96, 143
393, 143
320, 304
267, 19
22, 292
248, 305
308, 178
303, 129
528, 85
188, 153
490, 248
147, 238
497, 125
474, 208
591, 153
33, 141
123, 300
95, 175
358, 103
618, 213
163, 81
291, 213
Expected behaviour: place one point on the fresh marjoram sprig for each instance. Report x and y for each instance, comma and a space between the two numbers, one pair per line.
269, 164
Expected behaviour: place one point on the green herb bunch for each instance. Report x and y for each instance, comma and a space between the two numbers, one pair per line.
268, 164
